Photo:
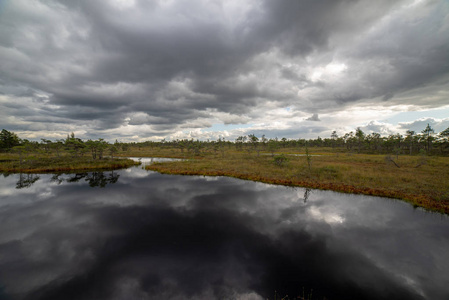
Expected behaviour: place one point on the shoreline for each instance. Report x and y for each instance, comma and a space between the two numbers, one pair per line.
422, 196
426, 186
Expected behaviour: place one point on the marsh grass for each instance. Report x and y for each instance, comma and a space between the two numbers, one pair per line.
43, 164
424, 186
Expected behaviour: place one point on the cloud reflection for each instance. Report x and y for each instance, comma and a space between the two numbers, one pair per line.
187, 237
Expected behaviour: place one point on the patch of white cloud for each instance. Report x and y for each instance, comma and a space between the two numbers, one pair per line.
45, 194
328, 72
384, 129
331, 218
123, 4
419, 125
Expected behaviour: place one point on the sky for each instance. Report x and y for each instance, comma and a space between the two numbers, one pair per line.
136, 70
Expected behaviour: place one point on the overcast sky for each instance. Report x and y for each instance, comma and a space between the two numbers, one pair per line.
137, 70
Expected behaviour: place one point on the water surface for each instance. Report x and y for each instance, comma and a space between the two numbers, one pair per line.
134, 234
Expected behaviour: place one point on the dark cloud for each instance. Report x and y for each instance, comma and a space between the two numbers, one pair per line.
314, 117
107, 60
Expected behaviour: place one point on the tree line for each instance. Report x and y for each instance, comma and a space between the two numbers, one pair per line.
357, 141
427, 141
412, 143
76, 147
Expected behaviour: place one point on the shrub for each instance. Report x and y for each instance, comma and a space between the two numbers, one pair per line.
280, 160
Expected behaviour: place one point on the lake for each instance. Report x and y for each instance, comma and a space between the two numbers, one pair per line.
136, 234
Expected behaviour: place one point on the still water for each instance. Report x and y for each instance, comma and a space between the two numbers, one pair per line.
134, 234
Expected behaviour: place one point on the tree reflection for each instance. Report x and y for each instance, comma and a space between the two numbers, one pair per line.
94, 179
100, 179
55, 178
26, 180
307, 194
76, 177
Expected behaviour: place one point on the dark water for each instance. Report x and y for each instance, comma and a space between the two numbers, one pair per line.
133, 234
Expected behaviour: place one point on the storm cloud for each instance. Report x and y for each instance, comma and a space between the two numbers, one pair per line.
138, 69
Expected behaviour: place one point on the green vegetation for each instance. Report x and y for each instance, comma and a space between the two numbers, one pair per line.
414, 168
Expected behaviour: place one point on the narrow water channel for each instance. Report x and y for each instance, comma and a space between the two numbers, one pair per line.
134, 234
